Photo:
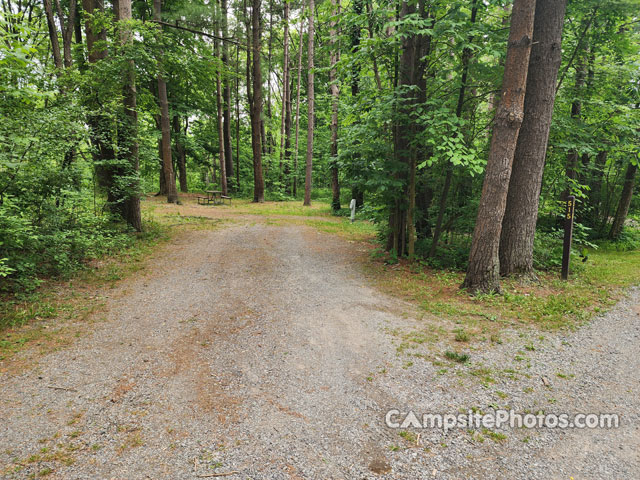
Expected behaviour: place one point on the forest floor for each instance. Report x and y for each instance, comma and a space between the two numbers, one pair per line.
267, 345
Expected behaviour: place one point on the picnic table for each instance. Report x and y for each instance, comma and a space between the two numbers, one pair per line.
214, 197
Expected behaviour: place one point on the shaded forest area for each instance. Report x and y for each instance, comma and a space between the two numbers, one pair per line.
460, 127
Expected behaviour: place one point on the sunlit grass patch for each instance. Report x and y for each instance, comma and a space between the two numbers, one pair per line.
289, 207
549, 305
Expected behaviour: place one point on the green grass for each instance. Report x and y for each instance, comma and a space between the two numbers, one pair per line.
289, 207
550, 305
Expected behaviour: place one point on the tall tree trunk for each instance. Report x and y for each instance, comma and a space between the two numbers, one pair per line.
53, 34
165, 123
335, 97
220, 124
310, 103
228, 145
286, 95
256, 108
178, 140
128, 136
268, 135
295, 157
625, 201
238, 117
357, 7
521, 215
466, 58
483, 273
415, 49
99, 123
66, 29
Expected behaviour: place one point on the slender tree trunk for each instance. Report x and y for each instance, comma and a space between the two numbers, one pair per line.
268, 135
521, 215
228, 148
310, 103
220, 124
99, 124
53, 34
335, 97
165, 123
286, 96
625, 202
66, 29
128, 137
180, 153
238, 117
357, 7
256, 108
483, 273
295, 157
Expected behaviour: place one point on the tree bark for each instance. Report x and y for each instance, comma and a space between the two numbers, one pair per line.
521, 214
357, 7
128, 135
310, 104
256, 107
53, 34
228, 145
165, 123
295, 157
178, 140
483, 273
625, 202
286, 96
99, 125
335, 97
220, 124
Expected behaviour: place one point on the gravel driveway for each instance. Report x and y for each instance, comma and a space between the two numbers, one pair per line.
262, 352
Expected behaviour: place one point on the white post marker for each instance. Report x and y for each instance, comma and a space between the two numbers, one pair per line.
352, 206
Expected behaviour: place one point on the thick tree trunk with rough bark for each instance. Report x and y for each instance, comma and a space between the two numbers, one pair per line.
256, 107
521, 215
625, 201
335, 97
165, 124
483, 273
310, 106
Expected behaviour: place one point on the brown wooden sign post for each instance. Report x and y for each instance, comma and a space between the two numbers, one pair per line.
568, 235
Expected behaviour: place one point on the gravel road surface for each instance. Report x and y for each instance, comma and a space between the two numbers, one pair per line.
262, 352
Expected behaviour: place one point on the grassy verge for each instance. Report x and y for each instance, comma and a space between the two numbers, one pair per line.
451, 315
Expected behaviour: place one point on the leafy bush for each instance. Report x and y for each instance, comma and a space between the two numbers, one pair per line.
56, 245
454, 256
